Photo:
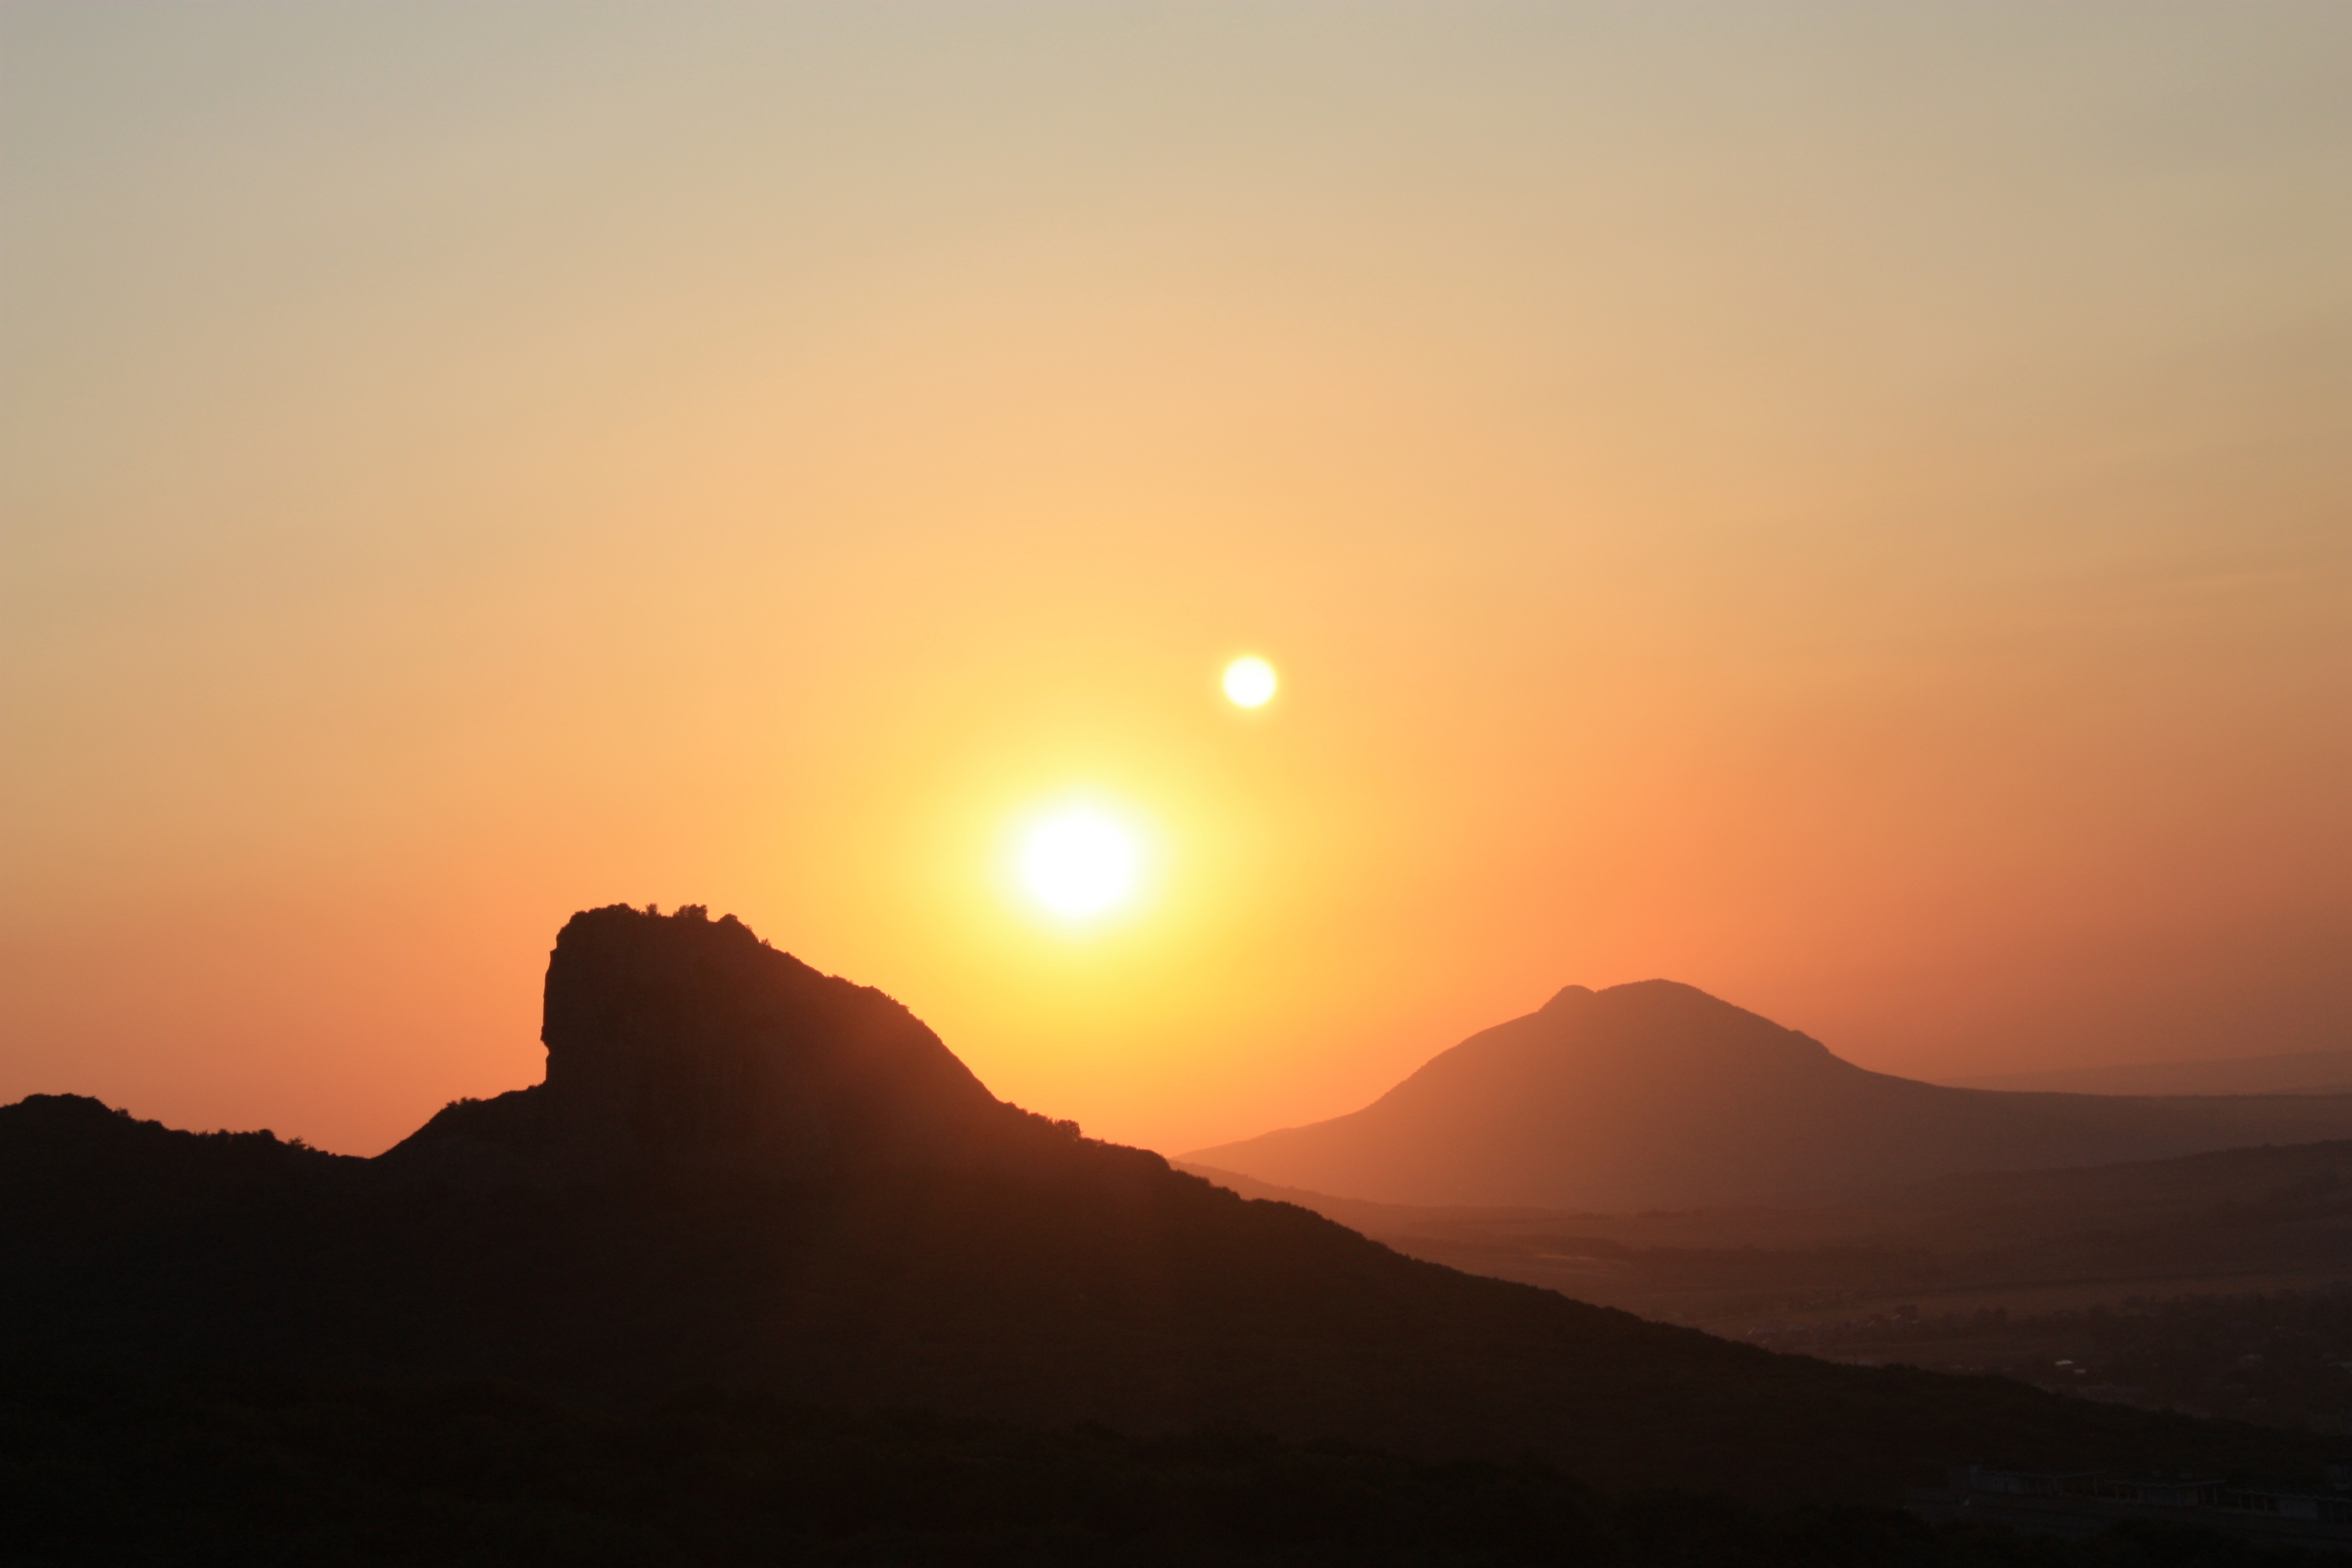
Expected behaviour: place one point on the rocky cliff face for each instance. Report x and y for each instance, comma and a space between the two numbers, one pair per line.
683, 1039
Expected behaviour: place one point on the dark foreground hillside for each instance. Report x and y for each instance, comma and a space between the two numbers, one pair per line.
262, 1472
744, 1174
1097, 1286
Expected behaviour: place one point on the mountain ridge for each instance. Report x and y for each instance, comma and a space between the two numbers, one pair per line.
1655, 1094
807, 1252
2292, 1072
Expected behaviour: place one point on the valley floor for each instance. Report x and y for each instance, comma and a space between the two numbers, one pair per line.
2219, 1285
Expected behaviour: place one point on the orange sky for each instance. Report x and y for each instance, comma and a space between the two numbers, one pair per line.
1849, 509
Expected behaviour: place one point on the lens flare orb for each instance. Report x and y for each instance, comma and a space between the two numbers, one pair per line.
1080, 862
1249, 681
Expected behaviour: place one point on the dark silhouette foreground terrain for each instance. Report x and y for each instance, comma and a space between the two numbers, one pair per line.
741, 1174
1657, 1095
269, 1470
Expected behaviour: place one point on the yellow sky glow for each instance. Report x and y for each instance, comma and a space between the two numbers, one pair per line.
1841, 506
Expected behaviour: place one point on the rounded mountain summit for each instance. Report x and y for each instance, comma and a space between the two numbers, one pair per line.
1658, 1095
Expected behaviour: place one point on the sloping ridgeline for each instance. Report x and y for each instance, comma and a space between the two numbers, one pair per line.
744, 1174
1656, 1095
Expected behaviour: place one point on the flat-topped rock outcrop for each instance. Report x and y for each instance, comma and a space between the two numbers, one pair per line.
679, 1038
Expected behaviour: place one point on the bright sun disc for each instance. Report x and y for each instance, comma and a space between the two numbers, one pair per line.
1079, 862
1249, 681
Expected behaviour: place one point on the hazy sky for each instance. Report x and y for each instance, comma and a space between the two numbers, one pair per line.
1849, 506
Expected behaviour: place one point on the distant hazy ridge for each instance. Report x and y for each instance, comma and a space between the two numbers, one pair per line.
2299, 1072
1656, 1094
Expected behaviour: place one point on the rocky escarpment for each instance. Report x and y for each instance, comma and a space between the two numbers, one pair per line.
680, 1039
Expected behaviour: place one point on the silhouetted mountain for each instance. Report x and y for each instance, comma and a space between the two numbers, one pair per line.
685, 1041
1656, 1094
743, 1174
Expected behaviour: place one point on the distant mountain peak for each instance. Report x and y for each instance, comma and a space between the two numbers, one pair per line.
1656, 1093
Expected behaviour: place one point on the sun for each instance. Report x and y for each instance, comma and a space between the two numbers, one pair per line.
1079, 862
1249, 681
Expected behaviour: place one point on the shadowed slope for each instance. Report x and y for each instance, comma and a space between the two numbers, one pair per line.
1657, 1094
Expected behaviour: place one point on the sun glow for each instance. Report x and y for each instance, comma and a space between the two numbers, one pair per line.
1249, 681
1080, 862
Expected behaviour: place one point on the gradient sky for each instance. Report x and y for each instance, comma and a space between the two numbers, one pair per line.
1849, 506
